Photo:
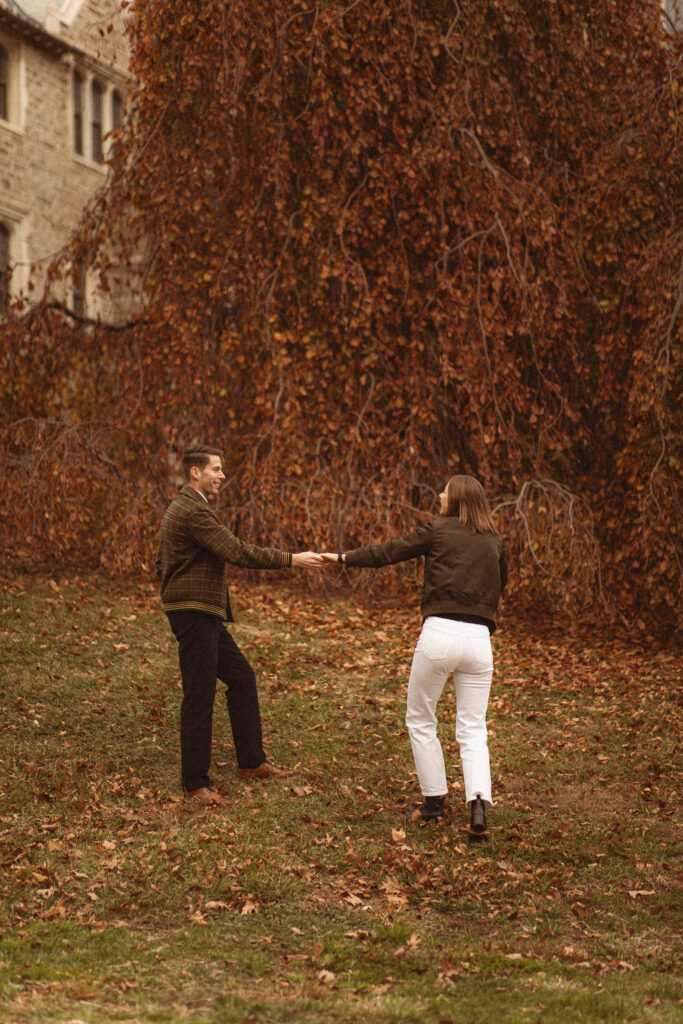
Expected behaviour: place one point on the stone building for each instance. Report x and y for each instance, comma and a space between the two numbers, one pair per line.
63, 72
673, 15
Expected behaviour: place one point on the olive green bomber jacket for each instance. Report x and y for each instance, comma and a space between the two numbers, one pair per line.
193, 552
464, 572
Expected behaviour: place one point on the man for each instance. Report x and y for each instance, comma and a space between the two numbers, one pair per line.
191, 561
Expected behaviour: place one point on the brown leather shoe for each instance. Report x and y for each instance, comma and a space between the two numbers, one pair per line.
207, 797
265, 771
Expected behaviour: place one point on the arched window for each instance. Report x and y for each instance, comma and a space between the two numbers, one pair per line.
116, 109
4, 265
4, 84
96, 120
78, 113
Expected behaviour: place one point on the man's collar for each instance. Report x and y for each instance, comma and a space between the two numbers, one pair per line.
189, 489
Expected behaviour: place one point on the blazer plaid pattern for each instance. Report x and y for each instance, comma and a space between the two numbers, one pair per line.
192, 554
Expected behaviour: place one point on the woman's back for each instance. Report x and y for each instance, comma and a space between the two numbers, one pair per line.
465, 572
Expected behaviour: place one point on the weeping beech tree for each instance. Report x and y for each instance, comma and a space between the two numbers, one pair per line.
379, 243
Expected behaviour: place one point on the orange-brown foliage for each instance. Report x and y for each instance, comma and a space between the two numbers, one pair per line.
384, 242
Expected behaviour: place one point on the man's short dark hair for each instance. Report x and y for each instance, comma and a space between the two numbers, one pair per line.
197, 455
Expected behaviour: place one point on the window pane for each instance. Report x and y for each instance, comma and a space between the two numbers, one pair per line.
78, 113
96, 121
4, 84
4, 265
79, 289
116, 110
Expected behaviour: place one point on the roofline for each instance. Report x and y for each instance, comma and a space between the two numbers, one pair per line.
33, 31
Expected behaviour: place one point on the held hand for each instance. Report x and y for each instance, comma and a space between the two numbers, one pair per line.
307, 560
330, 556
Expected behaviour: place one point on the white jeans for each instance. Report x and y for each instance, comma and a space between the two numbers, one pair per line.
463, 648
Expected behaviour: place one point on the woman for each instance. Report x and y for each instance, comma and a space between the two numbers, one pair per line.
465, 572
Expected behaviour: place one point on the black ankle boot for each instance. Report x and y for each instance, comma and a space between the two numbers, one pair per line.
477, 816
431, 809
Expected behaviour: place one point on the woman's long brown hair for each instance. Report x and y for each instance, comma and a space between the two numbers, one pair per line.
467, 500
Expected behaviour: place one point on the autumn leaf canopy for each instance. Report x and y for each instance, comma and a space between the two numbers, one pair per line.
378, 244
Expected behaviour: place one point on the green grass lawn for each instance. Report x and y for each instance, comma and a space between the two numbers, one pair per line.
309, 899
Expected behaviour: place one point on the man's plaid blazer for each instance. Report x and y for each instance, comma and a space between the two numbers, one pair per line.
192, 554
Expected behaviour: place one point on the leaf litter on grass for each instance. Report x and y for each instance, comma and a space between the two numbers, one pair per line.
577, 879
